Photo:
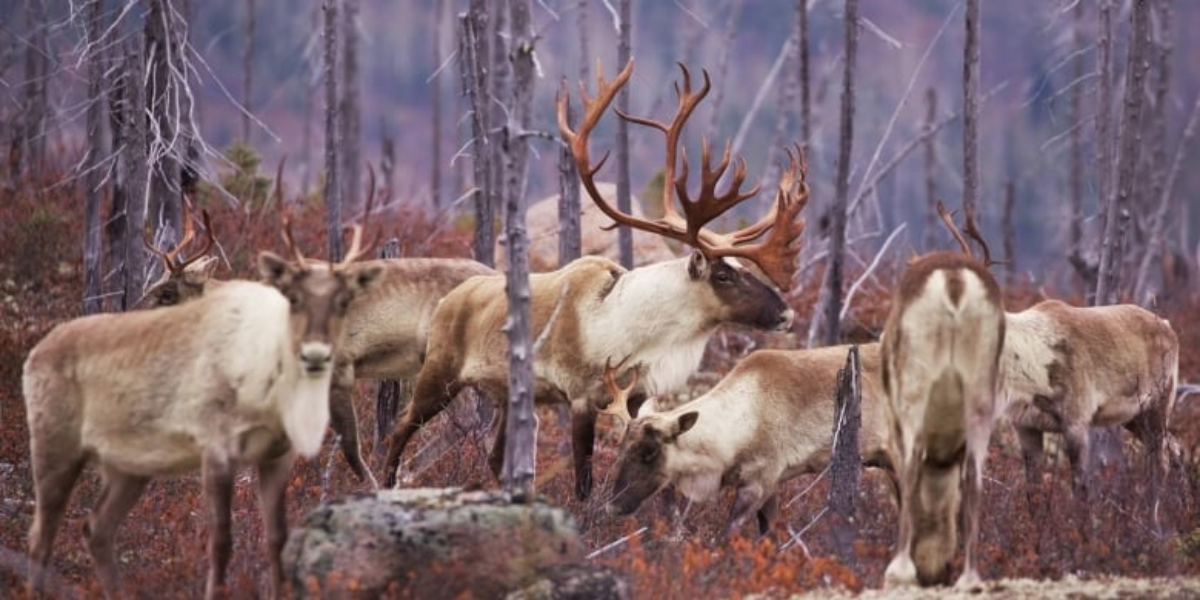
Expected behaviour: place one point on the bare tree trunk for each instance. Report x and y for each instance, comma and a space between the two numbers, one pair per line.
1009, 233
520, 451
435, 176
389, 395
624, 191
498, 73
136, 176
116, 223
845, 466
1076, 165
307, 108
93, 178
351, 108
838, 244
189, 168
27, 151
473, 45
931, 198
248, 70
1104, 138
971, 109
585, 49
387, 163
333, 129
1113, 243
805, 89
164, 34
723, 52
570, 238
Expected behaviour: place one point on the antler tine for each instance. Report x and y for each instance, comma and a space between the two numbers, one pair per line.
593, 110
710, 205
620, 394
170, 257
289, 240
972, 230
357, 248
948, 218
776, 255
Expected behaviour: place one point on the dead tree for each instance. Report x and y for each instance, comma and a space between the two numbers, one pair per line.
93, 177
389, 395
472, 52
519, 465
805, 90
28, 147
841, 199
1009, 233
248, 69
845, 466
333, 129
570, 238
498, 73
135, 176
351, 105
931, 197
164, 53
971, 109
624, 193
1076, 161
1104, 112
1120, 206
435, 96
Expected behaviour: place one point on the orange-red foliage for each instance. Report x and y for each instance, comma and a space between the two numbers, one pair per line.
1031, 532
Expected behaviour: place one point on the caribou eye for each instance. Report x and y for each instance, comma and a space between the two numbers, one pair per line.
724, 277
649, 455
168, 296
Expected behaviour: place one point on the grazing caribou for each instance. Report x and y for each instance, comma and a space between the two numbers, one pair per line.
386, 326
1067, 368
769, 420
660, 316
941, 354
239, 376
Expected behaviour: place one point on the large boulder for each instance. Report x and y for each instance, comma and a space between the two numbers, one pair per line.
432, 543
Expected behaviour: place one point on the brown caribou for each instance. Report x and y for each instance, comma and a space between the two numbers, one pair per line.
941, 355
239, 376
769, 420
386, 326
659, 315
1066, 369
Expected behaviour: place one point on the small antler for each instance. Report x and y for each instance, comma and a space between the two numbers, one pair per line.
170, 258
619, 406
357, 249
972, 230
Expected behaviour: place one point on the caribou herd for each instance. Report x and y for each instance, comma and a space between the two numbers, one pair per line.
216, 375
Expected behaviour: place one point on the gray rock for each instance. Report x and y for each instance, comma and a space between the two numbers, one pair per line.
429, 543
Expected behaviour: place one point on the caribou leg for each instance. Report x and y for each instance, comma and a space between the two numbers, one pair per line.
53, 483
217, 474
272, 488
345, 423
118, 493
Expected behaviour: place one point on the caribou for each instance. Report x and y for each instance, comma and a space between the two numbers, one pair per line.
385, 327
1068, 368
660, 315
942, 343
769, 420
239, 376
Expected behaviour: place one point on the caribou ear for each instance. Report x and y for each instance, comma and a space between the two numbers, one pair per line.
365, 277
698, 266
684, 423
274, 270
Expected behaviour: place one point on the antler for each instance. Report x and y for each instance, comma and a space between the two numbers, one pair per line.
709, 204
972, 230
170, 257
620, 402
357, 249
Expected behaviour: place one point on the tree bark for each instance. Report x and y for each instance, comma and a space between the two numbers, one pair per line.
389, 395
845, 466
837, 250
624, 191
931, 218
971, 109
248, 70
519, 464
473, 44
164, 33
585, 49
1076, 165
93, 178
570, 238
136, 178
1009, 234
435, 175
499, 90
1104, 140
1111, 253
805, 89
333, 129
351, 111
28, 148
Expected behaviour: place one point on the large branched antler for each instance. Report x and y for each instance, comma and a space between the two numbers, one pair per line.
170, 258
619, 405
775, 255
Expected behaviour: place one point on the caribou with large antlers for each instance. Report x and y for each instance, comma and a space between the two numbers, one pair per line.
659, 315
239, 376
941, 356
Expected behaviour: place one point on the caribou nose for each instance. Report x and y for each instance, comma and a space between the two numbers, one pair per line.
785, 320
316, 356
